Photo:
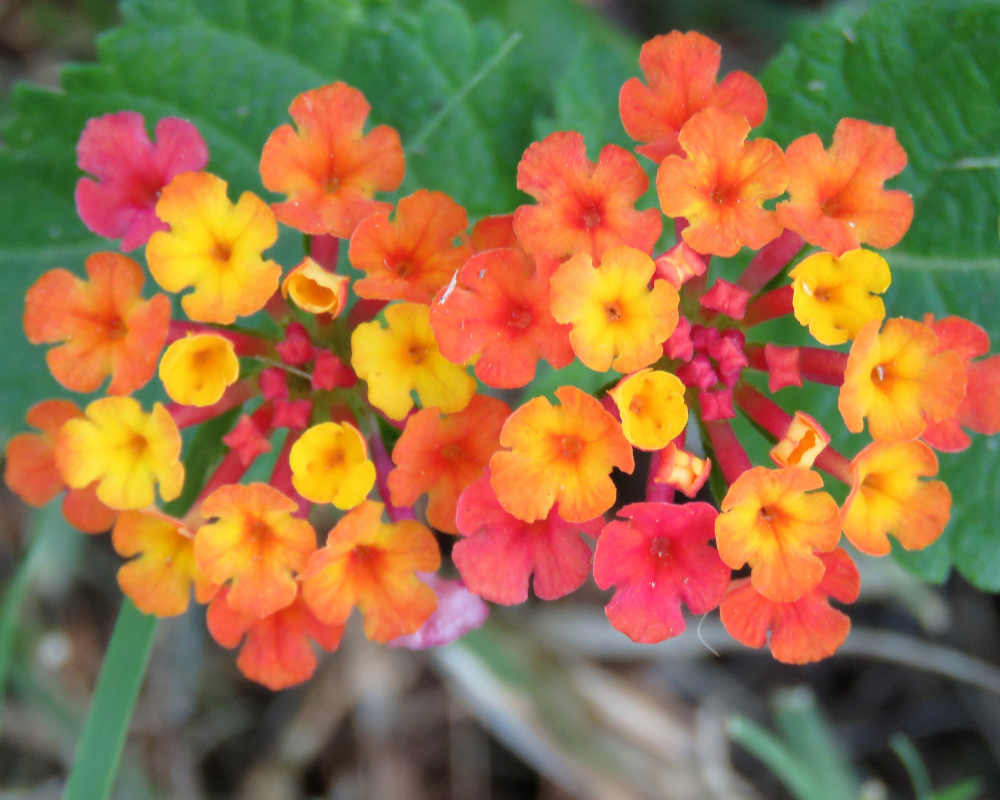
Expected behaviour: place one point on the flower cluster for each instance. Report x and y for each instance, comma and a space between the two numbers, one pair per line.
371, 385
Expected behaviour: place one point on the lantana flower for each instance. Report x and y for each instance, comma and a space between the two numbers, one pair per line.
651, 404
197, 370
316, 290
330, 464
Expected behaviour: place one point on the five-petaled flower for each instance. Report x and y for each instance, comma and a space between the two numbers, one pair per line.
651, 405
330, 464
197, 370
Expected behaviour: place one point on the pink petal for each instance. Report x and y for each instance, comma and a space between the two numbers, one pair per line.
458, 612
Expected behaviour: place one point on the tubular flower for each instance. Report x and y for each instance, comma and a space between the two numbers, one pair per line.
897, 379
582, 207
682, 470
316, 290
498, 307
30, 469
559, 454
256, 543
887, 496
836, 297
159, 580
102, 325
125, 450
442, 455
804, 440
499, 552
215, 247
131, 172
330, 464
277, 651
769, 521
413, 256
197, 370
804, 630
656, 558
618, 322
328, 168
651, 404
405, 358
721, 185
836, 197
681, 69
372, 565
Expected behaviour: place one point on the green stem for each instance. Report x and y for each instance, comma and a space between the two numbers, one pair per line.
907, 752
778, 758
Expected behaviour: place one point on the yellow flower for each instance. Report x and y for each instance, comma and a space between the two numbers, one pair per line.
197, 370
405, 358
315, 290
125, 450
836, 297
651, 404
804, 440
330, 464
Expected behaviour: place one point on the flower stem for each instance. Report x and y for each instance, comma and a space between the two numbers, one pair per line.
729, 453
822, 366
281, 478
771, 305
235, 395
770, 260
245, 344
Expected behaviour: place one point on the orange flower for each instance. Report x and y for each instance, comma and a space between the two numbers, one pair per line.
413, 256
102, 325
256, 543
559, 454
328, 168
887, 496
682, 470
680, 69
30, 469
804, 440
316, 290
897, 378
372, 565
837, 200
493, 232
441, 455
721, 185
582, 207
769, 521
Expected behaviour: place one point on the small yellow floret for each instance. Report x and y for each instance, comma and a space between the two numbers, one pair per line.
804, 440
836, 297
197, 370
315, 290
330, 464
651, 404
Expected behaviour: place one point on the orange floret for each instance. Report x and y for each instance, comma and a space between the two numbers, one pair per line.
413, 256
681, 69
256, 543
372, 565
330, 464
769, 521
328, 168
559, 454
316, 290
102, 325
197, 370
682, 470
441, 455
804, 440
722, 184
887, 496
897, 378
651, 405
215, 247
493, 232
582, 207
837, 200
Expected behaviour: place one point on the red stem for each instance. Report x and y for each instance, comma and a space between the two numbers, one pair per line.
658, 492
245, 344
771, 305
770, 260
324, 249
383, 466
729, 453
281, 478
364, 311
235, 395
755, 356
822, 366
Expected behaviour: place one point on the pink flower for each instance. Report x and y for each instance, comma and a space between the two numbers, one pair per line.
458, 612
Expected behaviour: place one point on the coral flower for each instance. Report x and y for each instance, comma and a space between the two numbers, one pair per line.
559, 454
276, 651
197, 370
330, 464
493, 232
131, 172
256, 543
682, 470
804, 630
405, 358
125, 450
328, 168
498, 307
499, 552
413, 256
897, 379
651, 404
656, 558
215, 247
441, 455
721, 185
316, 290
162, 571
102, 325
582, 207
887, 496
372, 565
836, 197
770, 522
618, 322
30, 469
681, 69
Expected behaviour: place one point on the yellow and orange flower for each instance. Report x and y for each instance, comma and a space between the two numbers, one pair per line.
804, 440
330, 464
102, 325
316, 290
651, 404
682, 470
197, 370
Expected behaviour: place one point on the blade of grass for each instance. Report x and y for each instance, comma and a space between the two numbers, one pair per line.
758, 741
907, 752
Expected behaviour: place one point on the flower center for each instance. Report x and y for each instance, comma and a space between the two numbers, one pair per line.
404, 268
725, 194
613, 312
881, 376
570, 446
221, 253
452, 452
259, 531
661, 548
766, 516
591, 217
335, 458
636, 405
520, 318
417, 353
